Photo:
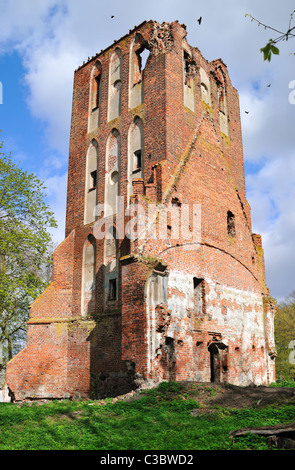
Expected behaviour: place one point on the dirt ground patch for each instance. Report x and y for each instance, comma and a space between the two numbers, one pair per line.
231, 396
210, 395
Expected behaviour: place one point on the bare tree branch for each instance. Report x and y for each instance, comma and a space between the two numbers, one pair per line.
270, 48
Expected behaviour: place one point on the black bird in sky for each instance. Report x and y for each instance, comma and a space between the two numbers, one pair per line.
199, 20
247, 112
112, 16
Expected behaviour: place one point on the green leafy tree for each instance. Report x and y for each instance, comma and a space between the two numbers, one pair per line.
24, 249
285, 339
270, 48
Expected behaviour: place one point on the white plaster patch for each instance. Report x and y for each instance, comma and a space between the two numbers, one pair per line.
184, 284
237, 314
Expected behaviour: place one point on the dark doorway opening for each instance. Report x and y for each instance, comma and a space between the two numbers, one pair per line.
218, 362
214, 363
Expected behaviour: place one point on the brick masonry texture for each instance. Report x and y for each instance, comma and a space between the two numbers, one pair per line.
181, 310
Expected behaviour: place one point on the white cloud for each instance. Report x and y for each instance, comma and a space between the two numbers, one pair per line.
253, 109
49, 78
271, 194
20, 20
56, 189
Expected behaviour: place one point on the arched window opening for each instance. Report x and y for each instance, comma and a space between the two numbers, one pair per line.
188, 81
139, 61
223, 120
112, 181
143, 55
91, 181
88, 277
221, 101
199, 296
205, 87
186, 67
139, 54
94, 97
96, 92
111, 261
135, 153
204, 93
115, 71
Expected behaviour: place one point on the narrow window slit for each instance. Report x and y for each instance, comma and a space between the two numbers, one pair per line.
113, 289
93, 180
231, 230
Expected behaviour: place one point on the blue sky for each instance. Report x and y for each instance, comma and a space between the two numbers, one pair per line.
22, 133
43, 41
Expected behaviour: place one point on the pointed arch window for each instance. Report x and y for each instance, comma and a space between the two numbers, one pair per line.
223, 116
138, 57
88, 277
188, 81
186, 67
91, 182
115, 83
94, 97
111, 262
112, 178
135, 153
205, 87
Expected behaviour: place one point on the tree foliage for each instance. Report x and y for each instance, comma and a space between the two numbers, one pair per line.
270, 47
285, 339
24, 247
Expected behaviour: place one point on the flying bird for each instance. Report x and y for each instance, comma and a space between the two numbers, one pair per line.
199, 20
247, 112
112, 16
268, 85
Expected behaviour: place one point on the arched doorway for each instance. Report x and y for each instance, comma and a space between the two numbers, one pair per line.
218, 361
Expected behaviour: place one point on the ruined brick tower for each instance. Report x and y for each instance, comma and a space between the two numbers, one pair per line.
160, 276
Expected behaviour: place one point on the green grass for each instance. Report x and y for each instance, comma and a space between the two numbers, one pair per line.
284, 383
160, 420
